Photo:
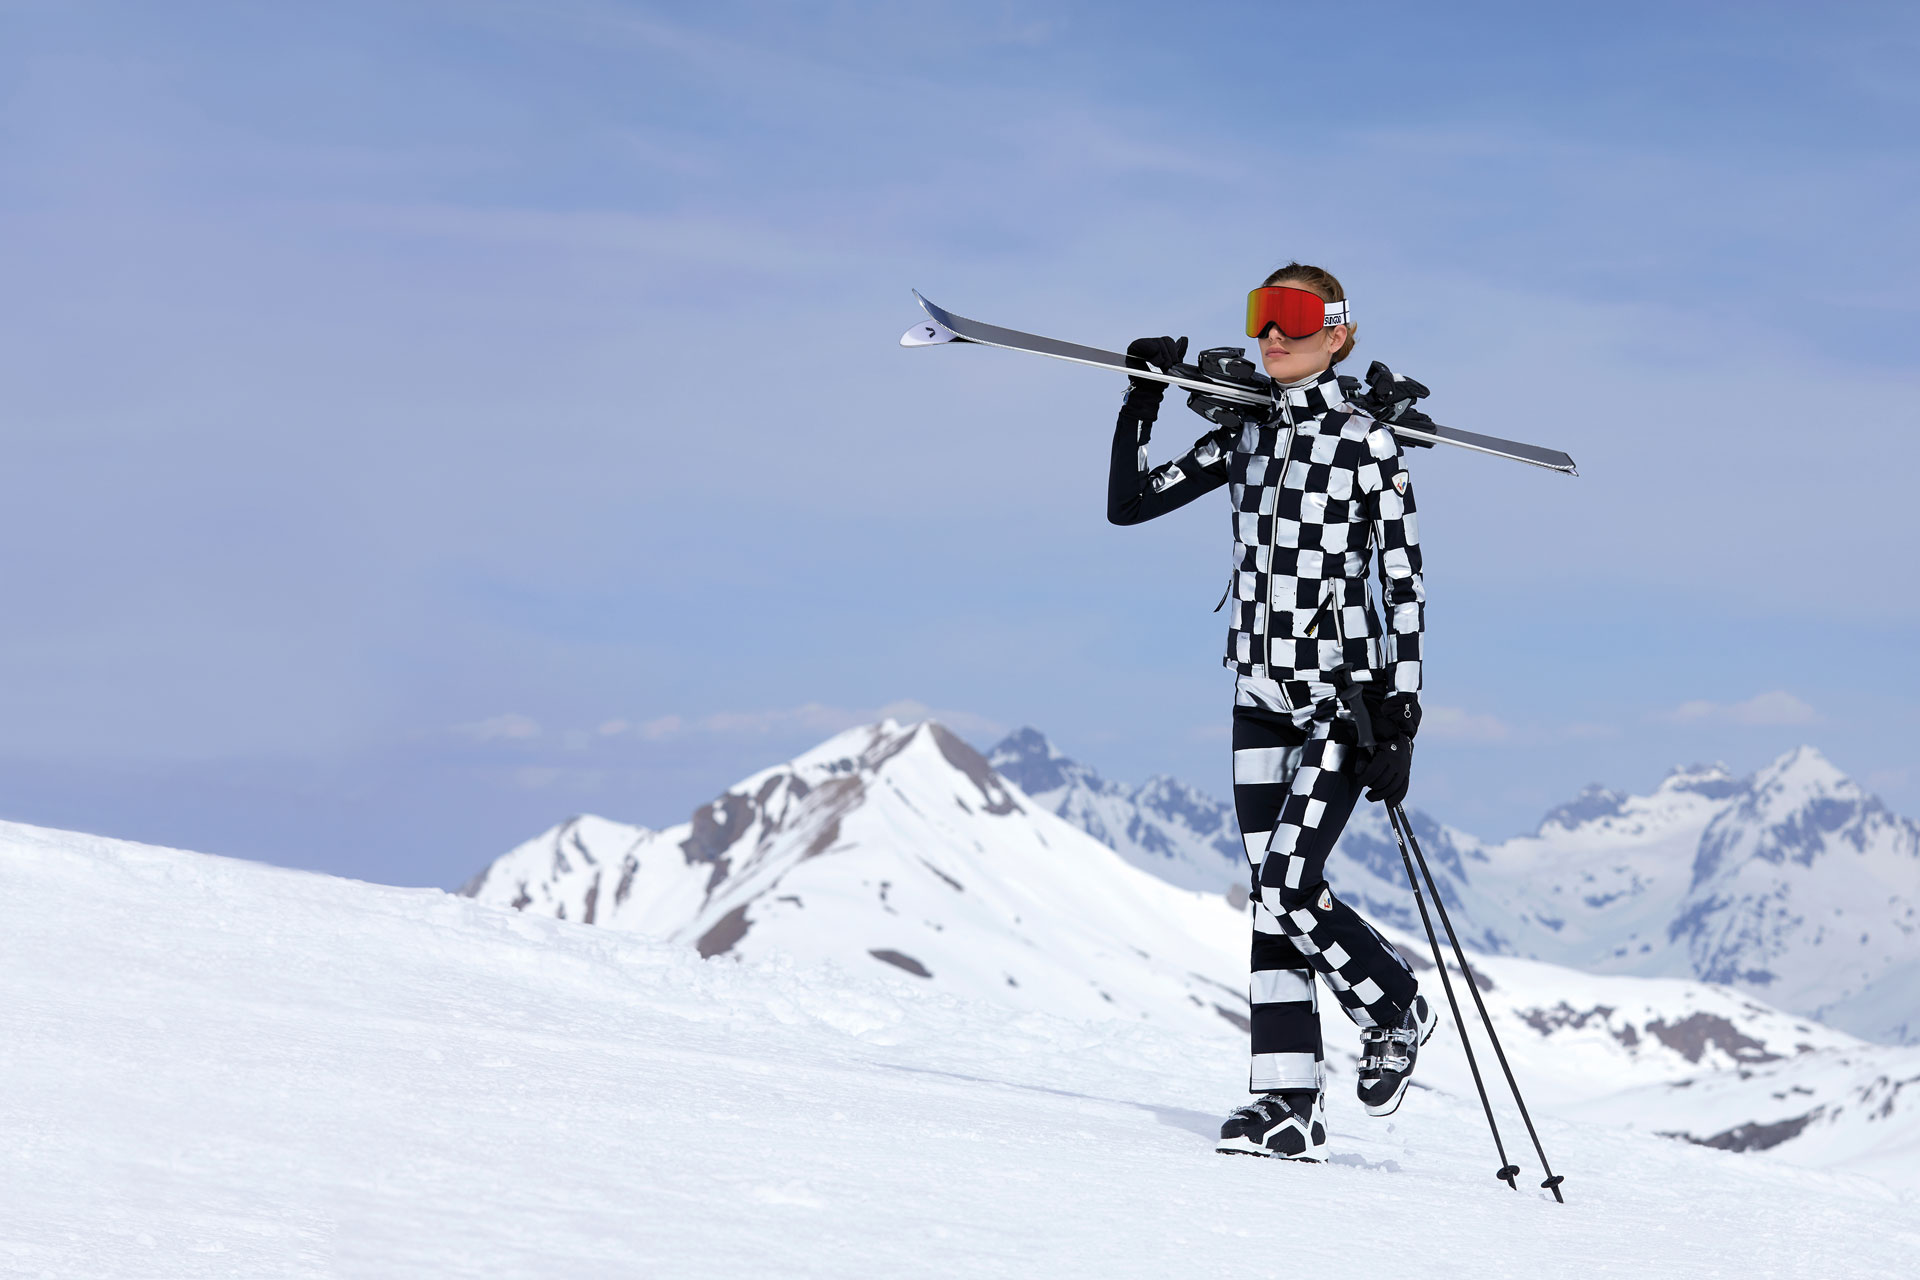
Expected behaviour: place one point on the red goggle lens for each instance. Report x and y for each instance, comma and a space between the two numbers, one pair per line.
1299, 312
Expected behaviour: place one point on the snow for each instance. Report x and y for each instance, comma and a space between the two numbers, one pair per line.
1794, 885
893, 845
896, 845
1163, 825
212, 1067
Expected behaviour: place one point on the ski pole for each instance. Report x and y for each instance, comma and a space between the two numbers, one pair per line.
1403, 829
1508, 1171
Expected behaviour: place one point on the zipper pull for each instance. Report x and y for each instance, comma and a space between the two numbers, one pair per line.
1326, 603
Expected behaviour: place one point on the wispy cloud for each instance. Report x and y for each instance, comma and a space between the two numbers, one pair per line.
1777, 707
808, 718
1453, 724
511, 727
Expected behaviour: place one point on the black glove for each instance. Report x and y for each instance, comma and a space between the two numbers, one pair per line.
1394, 718
1160, 353
1391, 399
1387, 771
1394, 715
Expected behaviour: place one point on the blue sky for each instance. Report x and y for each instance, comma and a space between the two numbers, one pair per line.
423, 421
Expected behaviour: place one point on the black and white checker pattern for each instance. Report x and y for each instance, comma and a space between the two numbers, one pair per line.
1318, 493
1293, 790
1315, 491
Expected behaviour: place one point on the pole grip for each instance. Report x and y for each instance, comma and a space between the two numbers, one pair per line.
1348, 691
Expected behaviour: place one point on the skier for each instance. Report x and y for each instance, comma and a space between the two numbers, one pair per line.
1317, 488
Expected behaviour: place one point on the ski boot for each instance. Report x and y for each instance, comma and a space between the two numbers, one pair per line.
1387, 1055
1284, 1126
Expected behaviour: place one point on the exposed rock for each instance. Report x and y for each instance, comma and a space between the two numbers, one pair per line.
726, 931
1693, 1035
999, 800
1754, 1136
901, 961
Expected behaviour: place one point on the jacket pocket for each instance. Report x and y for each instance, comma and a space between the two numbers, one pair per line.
1324, 616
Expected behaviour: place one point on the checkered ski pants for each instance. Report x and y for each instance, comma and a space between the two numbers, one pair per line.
1293, 790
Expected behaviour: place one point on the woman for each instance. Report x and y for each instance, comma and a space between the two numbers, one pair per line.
1317, 489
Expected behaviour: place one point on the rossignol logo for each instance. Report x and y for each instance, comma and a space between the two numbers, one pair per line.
1400, 484
1326, 899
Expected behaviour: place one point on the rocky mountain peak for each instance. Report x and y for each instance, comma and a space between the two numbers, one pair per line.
896, 846
1174, 800
1710, 780
1030, 762
1798, 777
1795, 810
1593, 803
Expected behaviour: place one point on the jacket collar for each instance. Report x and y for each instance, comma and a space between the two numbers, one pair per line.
1309, 397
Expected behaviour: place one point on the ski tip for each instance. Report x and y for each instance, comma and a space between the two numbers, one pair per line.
929, 333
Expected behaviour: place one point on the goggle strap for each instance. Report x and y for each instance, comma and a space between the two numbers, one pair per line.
1337, 313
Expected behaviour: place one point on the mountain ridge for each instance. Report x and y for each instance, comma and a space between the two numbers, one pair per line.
1710, 876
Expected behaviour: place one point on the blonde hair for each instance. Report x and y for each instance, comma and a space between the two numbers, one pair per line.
1320, 281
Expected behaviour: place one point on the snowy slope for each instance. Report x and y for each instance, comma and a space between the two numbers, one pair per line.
214, 1068
1162, 825
1856, 1109
894, 846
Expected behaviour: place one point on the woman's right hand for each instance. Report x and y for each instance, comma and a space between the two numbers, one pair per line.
1161, 353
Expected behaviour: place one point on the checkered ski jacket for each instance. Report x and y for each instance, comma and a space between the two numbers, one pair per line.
1316, 489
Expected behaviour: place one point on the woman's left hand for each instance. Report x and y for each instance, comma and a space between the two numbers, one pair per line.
1387, 772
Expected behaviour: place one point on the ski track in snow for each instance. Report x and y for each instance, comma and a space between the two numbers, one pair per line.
214, 1068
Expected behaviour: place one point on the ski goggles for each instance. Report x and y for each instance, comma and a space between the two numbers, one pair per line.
1299, 313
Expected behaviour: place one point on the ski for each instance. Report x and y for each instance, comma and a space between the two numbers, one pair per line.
944, 327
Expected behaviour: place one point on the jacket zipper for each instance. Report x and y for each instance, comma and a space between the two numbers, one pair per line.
1273, 546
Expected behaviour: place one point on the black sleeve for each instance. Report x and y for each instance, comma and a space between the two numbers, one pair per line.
1135, 494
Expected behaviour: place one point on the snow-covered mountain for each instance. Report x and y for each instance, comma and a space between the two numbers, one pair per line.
1794, 884
896, 848
1190, 838
1807, 890
897, 845
1163, 825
